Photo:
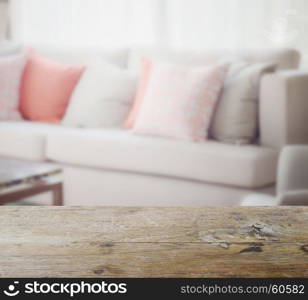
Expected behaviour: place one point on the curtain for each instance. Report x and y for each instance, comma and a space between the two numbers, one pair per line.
3, 19
238, 23
177, 23
86, 22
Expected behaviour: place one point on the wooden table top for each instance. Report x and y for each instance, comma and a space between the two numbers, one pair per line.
14, 172
153, 242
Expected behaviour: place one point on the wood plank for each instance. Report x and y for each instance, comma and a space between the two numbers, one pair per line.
153, 242
211, 224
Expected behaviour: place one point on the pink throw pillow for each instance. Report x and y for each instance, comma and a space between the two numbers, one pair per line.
11, 70
46, 88
179, 101
142, 86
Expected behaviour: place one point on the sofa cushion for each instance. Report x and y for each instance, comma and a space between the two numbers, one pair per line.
283, 58
179, 101
246, 166
11, 71
102, 97
25, 140
46, 88
236, 117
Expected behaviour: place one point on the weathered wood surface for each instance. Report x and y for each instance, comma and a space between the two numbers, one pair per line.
153, 242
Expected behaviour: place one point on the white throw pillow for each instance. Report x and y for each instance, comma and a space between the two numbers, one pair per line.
102, 97
235, 120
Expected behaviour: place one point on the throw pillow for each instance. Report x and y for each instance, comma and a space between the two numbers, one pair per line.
142, 86
179, 101
102, 97
11, 69
46, 88
236, 117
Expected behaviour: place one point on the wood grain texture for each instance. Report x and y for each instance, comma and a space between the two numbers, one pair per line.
153, 242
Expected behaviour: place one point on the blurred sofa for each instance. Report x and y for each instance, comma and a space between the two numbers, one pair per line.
116, 167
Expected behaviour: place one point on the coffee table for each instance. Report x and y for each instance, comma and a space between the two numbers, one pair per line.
20, 179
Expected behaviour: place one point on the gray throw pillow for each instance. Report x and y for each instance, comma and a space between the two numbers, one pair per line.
235, 120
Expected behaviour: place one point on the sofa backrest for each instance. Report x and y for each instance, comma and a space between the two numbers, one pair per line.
83, 55
284, 58
9, 48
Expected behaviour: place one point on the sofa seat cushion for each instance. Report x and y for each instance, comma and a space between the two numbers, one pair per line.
25, 140
213, 162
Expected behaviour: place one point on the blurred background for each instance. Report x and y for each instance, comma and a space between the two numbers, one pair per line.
176, 23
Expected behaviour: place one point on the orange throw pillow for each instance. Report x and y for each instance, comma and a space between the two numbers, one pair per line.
46, 88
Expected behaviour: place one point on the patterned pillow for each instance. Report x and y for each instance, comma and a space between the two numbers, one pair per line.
11, 70
179, 101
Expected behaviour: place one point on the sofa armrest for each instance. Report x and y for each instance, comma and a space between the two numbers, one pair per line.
283, 115
299, 197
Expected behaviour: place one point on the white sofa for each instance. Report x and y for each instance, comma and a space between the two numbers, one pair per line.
117, 167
